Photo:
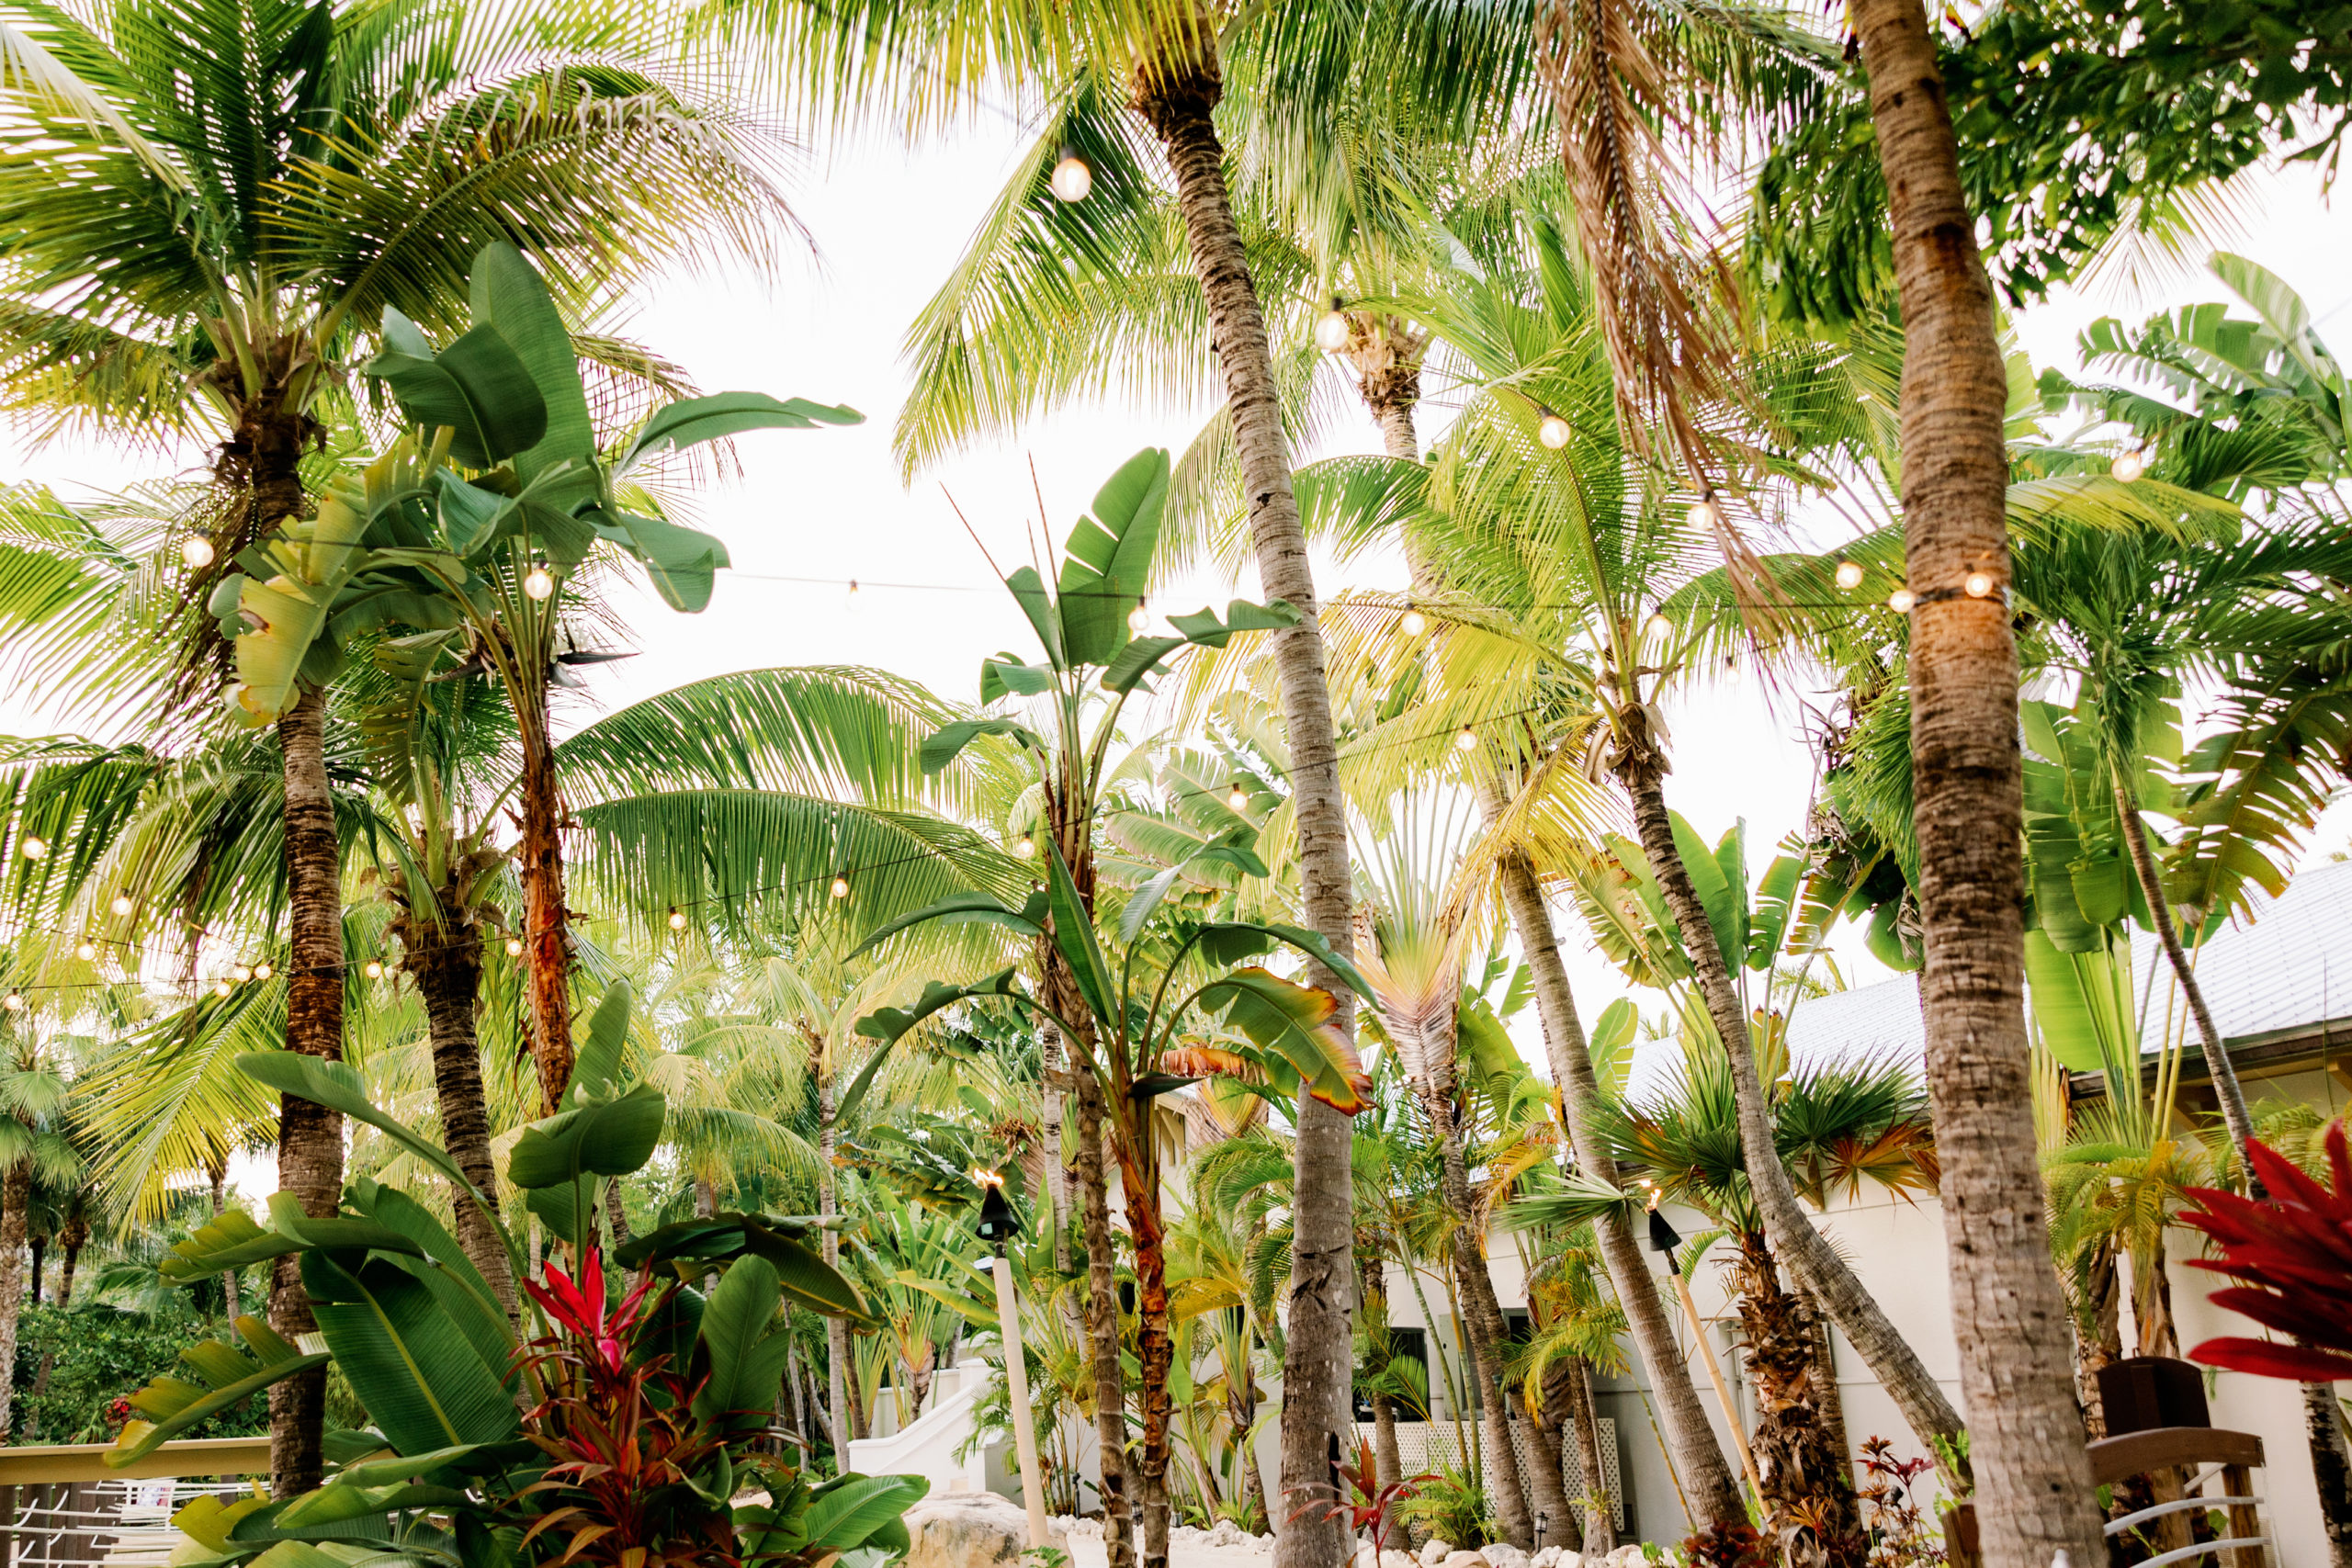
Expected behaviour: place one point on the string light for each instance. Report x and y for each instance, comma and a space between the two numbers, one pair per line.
374, 970
14, 1001
841, 887
1901, 601
34, 849
1138, 619
851, 597
1332, 328
513, 947
1413, 623
677, 919
1705, 513
240, 973
1025, 847
2129, 466
1979, 584
222, 988
121, 904
1236, 797
197, 551
538, 584
1553, 430
1850, 574
263, 971
85, 951
1073, 180
1658, 624
1467, 740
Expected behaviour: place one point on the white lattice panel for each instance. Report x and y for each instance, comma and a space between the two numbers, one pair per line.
1428, 1445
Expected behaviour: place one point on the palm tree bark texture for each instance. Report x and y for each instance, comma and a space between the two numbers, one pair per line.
1598, 1534
2034, 1497
1827, 1277
16, 1199
1178, 87
1808, 1485
548, 939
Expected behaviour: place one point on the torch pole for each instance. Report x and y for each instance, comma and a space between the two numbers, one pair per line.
1016, 1378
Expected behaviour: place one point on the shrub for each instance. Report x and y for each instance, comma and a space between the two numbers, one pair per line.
2292, 1253
1453, 1507
96, 1355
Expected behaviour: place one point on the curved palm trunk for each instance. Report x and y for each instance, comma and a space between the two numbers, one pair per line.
16, 1196
444, 960
1547, 1488
1804, 1250
1802, 1472
70, 1242
310, 1136
1599, 1523
547, 934
1102, 1329
1712, 1493
2034, 1494
1178, 89
837, 1365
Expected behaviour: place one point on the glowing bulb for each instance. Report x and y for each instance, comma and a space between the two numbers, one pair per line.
263, 971
1025, 847
1901, 601
851, 599
240, 973
1331, 329
1413, 623
85, 951
121, 904
1657, 626
222, 988
538, 584
374, 969
1850, 574
34, 849
2129, 466
1705, 513
513, 947
1979, 584
1138, 620
13, 1001
197, 551
677, 919
841, 887
1072, 179
1554, 430
1236, 798
1467, 740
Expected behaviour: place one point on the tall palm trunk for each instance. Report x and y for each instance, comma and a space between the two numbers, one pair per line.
1155, 1341
1599, 1525
70, 1242
1802, 1249
837, 1365
310, 1136
1829, 1400
1102, 1327
1241, 1415
16, 1197
1707, 1481
39, 1246
2033, 1487
1547, 1489
1177, 90
1052, 1073
547, 934
443, 956
1803, 1475
1385, 1451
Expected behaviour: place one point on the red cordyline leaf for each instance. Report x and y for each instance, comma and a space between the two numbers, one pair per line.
2293, 1253
2268, 1358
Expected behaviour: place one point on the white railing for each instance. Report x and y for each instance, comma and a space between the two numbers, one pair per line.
928, 1448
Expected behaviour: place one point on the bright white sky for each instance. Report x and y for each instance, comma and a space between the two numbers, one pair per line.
830, 505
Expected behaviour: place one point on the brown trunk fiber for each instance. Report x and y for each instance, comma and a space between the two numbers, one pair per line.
1178, 89
2033, 1490
310, 1136
1241, 1415
837, 1361
615, 1213
1698, 1458
1830, 1401
1803, 1250
1599, 1520
445, 961
1808, 1495
1547, 1489
1103, 1326
1053, 1067
547, 934
40, 1249
1155, 1345
73, 1255
16, 1195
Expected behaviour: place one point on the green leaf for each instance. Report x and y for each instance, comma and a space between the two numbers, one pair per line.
1220, 943
955, 909
683, 563
801, 1271
339, 1086
169, 1404
693, 421
890, 1025
1073, 936
1724, 903
478, 388
229, 1240
338, 1502
1776, 897
596, 1070
746, 1361
1138, 659
1107, 564
949, 740
612, 1137
1000, 677
844, 1512
507, 294
416, 1372
1291, 1023
445, 1268
1028, 590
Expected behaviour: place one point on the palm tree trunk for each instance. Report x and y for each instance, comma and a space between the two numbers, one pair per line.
444, 959
1802, 1478
16, 1195
546, 927
39, 1246
310, 1136
1053, 1064
1829, 1400
1599, 1523
1698, 1456
2034, 1497
1241, 1415
2323, 1433
1802, 1249
1482, 1314
72, 1257
1155, 1343
1177, 90
1546, 1479
1103, 1325
837, 1365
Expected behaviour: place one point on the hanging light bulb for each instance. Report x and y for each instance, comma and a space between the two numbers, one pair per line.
121, 904
677, 919
1705, 513
538, 584
1025, 847
1979, 584
1236, 797
1413, 623
1138, 619
513, 947
1332, 328
14, 1001
1850, 574
849, 600
262, 971
2129, 466
841, 887
1657, 626
1072, 179
222, 988
1901, 601
1553, 430
34, 849
197, 551
240, 973
1467, 740
373, 969
85, 951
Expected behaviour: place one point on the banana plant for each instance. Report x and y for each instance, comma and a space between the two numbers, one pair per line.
453, 1457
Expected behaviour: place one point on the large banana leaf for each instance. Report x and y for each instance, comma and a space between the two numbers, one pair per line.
1291, 1026
169, 1404
745, 1361
417, 1372
478, 388
692, 421
1137, 660
1107, 563
800, 1271
339, 1086
890, 1025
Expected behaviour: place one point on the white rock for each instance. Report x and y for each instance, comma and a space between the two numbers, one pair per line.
1546, 1558
1622, 1557
1503, 1554
1434, 1551
1465, 1560
967, 1530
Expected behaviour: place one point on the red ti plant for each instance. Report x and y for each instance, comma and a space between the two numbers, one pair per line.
1368, 1504
2292, 1253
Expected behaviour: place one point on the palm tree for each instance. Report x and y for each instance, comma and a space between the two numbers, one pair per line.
34, 1148
366, 173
